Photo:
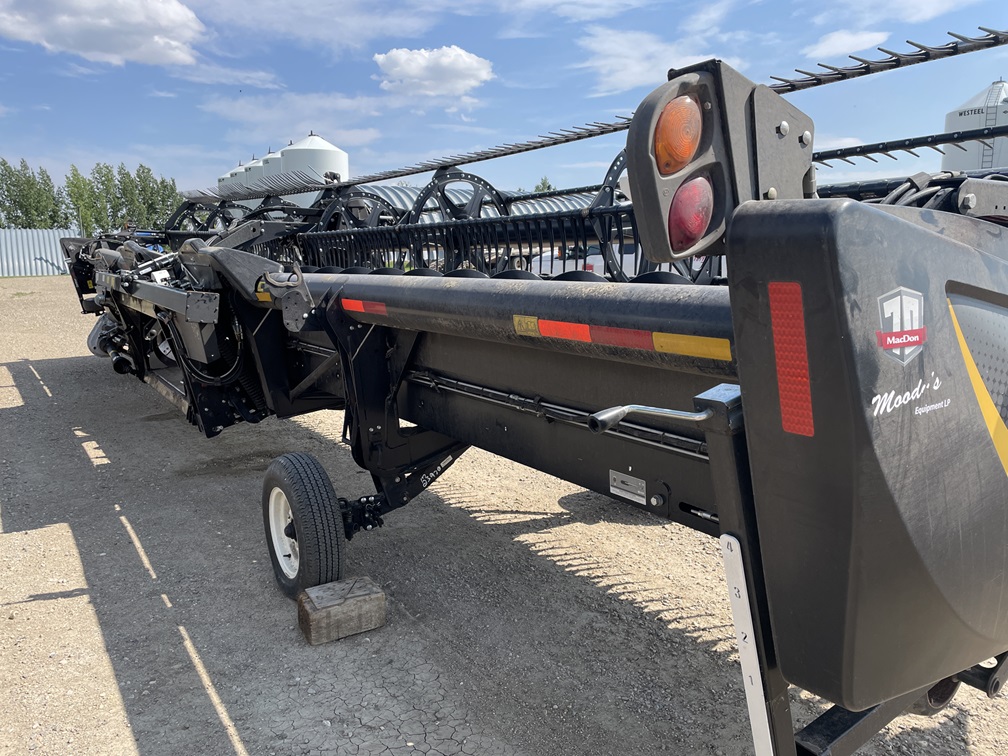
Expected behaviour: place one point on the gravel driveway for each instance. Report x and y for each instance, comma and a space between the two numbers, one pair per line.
138, 612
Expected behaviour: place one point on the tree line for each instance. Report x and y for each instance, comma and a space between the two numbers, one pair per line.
106, 199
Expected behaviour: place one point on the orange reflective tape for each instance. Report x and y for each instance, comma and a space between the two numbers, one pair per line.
358, 305
558, 329
352, 305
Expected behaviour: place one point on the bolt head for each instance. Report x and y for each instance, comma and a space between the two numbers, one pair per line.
967, 202
771, 193
805, 138
783, 128
657, 500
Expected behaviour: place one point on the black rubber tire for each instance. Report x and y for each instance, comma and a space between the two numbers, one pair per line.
937, 698
318, 522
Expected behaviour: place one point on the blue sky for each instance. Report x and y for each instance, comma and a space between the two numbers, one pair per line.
190, 87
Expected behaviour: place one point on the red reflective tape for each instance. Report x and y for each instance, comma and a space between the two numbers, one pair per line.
557, 329
358, 305
622, 337
787, 321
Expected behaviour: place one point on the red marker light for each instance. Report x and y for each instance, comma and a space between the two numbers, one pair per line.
690, 213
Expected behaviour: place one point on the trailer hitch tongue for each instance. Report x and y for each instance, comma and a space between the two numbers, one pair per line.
607, 419
989, 680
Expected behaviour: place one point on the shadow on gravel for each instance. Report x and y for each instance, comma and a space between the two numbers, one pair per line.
503, 636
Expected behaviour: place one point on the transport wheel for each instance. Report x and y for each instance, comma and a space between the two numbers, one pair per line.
303, 523
937, 698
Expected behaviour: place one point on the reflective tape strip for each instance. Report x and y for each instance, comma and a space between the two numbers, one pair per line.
358, 305
558, 329
787, 322
705, 347
693, 346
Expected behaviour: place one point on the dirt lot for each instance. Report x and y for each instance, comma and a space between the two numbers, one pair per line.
138, 612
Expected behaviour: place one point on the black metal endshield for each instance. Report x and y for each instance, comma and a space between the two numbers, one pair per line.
884, 531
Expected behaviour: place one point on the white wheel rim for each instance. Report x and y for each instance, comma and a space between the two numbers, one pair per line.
286, 549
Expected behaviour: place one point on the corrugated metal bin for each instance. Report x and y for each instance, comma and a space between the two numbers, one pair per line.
32, 252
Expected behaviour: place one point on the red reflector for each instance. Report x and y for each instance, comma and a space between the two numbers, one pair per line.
690, 213
623, 337
787, 319
557, 329
357, 305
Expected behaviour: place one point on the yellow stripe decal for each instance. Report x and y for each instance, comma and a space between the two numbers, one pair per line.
995, 425
693, 346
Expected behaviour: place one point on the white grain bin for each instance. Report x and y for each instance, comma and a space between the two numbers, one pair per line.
314, 157
237, 175
988, 108
253, 172
272, 163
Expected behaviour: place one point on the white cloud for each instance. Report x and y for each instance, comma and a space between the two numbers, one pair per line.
158, 32
276, 118
346, 25
160, 93
575, 10
866, 14
4, 111
708, 18
844, 42
75, 70
211, 73
444, 72
624, 60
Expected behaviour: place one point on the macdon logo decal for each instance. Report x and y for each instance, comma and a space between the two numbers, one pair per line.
883, 404
903, 335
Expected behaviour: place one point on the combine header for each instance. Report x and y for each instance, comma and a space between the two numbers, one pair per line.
815, 376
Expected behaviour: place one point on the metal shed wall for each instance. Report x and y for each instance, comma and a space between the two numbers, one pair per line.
32, 252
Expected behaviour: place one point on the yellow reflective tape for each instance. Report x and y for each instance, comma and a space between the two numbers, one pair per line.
263, 296
693, 346
526, 325
995, 425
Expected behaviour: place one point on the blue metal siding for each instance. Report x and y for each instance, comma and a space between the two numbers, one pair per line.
32, 252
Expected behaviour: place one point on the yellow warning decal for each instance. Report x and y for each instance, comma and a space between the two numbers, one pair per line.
260, 291
992, 418
526, 325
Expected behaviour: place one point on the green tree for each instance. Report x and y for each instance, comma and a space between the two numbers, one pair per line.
544, 185
29, 199
128, 202
83, 202
108, 210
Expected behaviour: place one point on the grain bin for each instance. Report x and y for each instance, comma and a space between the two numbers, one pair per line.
988, 108
314, 157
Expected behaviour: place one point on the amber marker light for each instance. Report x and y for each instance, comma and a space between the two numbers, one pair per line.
677, 134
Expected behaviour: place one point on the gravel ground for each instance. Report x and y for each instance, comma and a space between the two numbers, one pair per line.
138, 612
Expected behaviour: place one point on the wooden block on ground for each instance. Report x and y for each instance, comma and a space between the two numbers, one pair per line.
335, 610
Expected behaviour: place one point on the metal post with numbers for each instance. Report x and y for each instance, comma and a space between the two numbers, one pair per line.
766, 690
837, 731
